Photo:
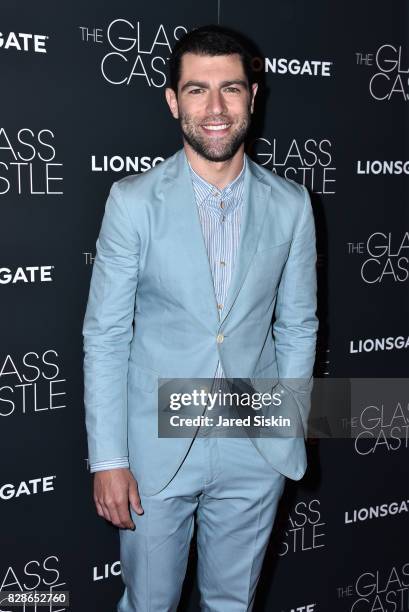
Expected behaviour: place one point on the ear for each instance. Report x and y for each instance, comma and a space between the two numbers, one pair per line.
254, 88
172, 102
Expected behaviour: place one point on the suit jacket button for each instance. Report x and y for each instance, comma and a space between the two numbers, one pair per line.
219, 338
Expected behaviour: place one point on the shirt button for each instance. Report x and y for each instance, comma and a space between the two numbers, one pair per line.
222, 263
223, 218
220, 306
219, 338
221, 204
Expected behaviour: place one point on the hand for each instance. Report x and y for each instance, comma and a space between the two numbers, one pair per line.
113, 491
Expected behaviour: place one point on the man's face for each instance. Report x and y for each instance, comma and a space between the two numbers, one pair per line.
213, 105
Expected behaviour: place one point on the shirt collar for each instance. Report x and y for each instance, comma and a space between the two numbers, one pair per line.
210, 195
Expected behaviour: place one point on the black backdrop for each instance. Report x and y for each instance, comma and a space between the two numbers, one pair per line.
82, 104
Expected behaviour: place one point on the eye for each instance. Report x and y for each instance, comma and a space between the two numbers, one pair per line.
194, 91
233, 89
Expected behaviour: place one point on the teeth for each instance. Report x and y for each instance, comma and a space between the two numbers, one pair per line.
216, 127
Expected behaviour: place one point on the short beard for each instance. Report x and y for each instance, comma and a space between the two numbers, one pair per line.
201, 146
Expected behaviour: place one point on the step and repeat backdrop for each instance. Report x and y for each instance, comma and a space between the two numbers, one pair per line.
82, 104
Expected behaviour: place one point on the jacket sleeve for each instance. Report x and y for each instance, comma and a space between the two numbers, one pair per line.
296, 324
107, 331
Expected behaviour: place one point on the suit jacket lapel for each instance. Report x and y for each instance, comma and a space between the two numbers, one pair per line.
255, 198
189, 252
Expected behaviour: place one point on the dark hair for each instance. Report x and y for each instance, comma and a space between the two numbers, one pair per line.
210, 40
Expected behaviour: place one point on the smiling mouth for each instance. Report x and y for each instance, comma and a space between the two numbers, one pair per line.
216, 127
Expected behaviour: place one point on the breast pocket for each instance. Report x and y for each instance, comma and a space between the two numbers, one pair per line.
281, 247
267, 266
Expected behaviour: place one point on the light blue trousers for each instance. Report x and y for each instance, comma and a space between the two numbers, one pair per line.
235, 493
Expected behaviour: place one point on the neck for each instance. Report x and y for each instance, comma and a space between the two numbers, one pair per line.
218, 174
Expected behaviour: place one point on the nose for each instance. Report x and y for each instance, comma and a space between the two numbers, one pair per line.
215, 102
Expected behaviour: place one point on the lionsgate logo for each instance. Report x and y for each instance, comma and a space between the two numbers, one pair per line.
106, 571
28, 163
369, 345
34, 486
293, 66
24, 275
390, 72
302, 530
137, 52
41, 574
31, 383
375, 512
309, 161
23, 42
384, 167
385, 257
121, 163
384, 588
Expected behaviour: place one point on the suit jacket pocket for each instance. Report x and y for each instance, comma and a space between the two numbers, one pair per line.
265, 246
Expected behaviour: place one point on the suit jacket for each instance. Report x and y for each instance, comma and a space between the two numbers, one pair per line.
152, 312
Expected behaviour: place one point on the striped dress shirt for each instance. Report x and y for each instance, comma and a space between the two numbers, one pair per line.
220, 213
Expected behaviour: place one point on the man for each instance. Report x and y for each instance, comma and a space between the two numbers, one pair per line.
194, 257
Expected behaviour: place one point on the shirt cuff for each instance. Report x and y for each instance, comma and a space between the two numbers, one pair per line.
110, 464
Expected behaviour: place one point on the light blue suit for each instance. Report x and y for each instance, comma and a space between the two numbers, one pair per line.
152, 269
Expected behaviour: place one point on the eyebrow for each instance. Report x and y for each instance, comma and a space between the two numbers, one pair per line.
205, 85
